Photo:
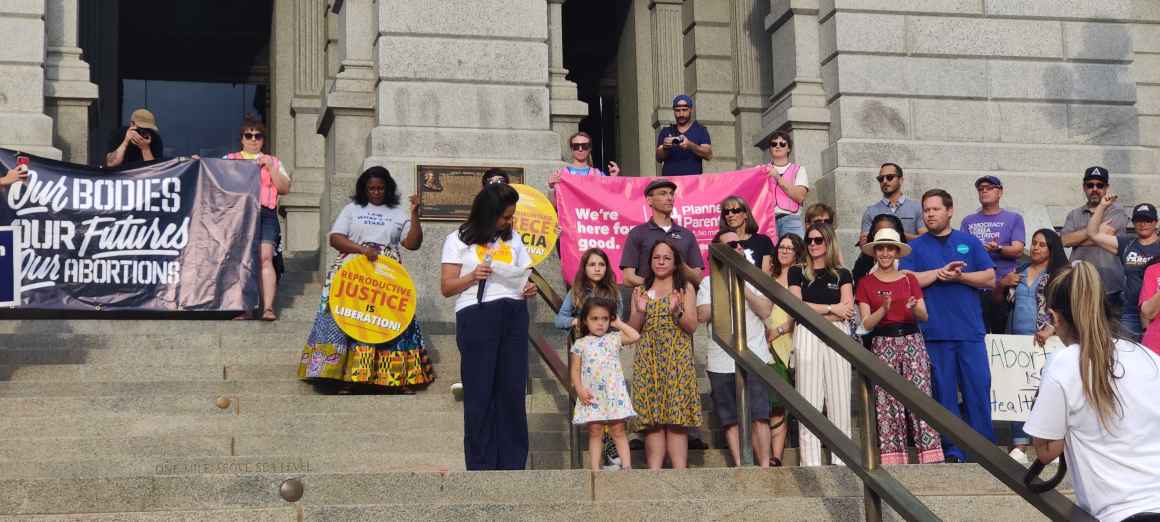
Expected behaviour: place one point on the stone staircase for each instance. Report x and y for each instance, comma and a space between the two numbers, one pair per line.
150, 420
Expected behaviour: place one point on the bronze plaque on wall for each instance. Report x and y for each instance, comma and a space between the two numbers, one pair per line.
446, 192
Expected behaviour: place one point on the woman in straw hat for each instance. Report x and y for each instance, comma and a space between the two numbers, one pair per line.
891, 305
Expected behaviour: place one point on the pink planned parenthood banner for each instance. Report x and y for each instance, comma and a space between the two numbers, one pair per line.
598, 211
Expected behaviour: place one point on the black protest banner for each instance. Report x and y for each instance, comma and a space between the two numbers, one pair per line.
175, 235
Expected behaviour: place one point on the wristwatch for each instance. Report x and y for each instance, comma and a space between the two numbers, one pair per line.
780, 330
829, 309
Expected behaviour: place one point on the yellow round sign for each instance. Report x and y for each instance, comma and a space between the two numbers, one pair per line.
535, 222
372, 302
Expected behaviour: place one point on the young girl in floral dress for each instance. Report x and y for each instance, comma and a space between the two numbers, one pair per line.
601, 393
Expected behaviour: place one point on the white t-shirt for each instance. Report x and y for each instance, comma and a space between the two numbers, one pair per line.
801, 179
510, 264
1116, 473
373, 224
717, 360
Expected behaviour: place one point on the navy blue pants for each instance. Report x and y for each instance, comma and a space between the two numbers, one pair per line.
493, 348
962, 365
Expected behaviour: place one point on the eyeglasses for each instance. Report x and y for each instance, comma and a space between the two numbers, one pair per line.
827, 221
733, 244
253, 135
731, 211
1091, 186
779, 145
815, 240
887, 177
581, 146
786, 249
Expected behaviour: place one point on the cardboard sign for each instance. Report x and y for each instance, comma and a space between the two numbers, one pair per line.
535, 222
372, 302
1016, 365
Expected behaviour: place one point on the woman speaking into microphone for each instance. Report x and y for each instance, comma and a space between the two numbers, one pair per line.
486, 268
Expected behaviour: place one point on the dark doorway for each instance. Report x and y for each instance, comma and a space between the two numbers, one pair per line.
198, 66
591, 35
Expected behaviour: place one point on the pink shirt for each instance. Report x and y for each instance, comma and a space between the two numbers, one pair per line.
1151, 283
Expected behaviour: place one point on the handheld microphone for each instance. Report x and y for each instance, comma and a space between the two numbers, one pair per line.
479, 293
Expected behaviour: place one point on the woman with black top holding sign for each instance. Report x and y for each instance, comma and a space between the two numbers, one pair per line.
486, 269
823, 376
891, 305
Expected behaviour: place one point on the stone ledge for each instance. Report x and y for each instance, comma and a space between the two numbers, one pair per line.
480, 18
463, 105
441, 59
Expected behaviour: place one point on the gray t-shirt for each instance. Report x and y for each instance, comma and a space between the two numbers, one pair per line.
907, 210
377, 224
1111, 272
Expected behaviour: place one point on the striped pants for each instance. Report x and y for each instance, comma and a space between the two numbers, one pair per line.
823, 379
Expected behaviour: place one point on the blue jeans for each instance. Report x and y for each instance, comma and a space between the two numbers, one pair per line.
789, 224
1130, 322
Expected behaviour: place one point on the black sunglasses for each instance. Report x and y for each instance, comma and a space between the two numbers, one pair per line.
827, 221
779, 144
731, 211
887, 177
1090, 186
581, 146
815, 240
253, 135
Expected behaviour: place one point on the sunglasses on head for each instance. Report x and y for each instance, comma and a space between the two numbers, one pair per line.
778, 144
887, 177
815, 240
253, 135
581, 146
1090, 186
731, 211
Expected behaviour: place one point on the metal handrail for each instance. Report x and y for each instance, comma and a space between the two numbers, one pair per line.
560, 369
731, 271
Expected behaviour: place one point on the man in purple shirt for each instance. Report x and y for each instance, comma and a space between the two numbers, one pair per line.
1003, 235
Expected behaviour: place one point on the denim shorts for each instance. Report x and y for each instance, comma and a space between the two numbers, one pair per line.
723, 387
269, 231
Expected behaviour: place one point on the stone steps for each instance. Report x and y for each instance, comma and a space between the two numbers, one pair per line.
280, 514
967, 484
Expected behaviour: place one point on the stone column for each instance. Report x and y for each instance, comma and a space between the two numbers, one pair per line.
798, 103
67, 90
668, 59
348, 110
22, 87
299, 68
708, 75
750, 70
567, 109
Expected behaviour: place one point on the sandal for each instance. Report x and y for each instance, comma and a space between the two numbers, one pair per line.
774, 462
269, 315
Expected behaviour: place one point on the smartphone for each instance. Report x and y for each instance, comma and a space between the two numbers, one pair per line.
22, 163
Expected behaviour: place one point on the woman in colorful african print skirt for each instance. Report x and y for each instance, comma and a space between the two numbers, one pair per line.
373, 224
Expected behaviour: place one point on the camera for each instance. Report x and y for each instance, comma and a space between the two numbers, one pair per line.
145, 133
678, 139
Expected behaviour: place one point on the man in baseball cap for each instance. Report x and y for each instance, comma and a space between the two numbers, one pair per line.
1074, 234
136, 142
1003, 235
1133, 254
683, 146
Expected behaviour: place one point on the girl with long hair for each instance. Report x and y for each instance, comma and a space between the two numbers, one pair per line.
736, 217
823, 376
373, 224
664, 382
1097, 401
486, 268
593, 279
791, 251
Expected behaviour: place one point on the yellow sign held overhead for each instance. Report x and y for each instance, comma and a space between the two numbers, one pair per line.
372, 302
535, 222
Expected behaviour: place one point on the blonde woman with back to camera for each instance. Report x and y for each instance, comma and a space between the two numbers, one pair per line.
1097, 401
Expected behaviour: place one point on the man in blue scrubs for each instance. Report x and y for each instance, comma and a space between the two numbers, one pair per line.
952, 266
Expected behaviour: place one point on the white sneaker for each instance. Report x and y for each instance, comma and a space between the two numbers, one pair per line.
457, 391
612, 467
1020, 457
